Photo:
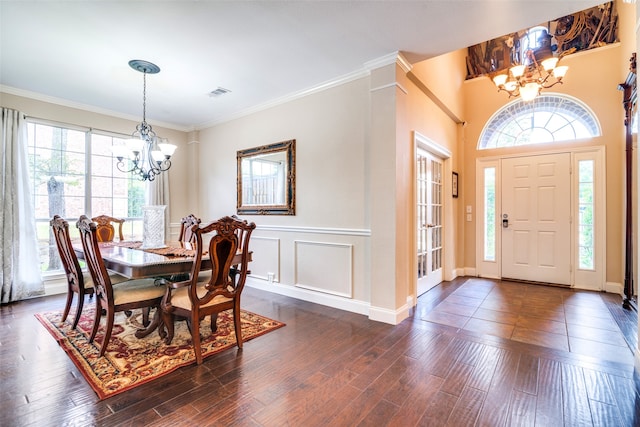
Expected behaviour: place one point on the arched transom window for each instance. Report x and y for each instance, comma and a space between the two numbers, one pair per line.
548, 118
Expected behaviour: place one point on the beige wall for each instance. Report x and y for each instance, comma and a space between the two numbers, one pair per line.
332, 180
444, 77
593, 78
354, 184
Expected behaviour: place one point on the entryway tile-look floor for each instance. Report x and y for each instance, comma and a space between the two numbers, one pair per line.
564, 319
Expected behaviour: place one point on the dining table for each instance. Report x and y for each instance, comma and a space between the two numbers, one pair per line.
132, 260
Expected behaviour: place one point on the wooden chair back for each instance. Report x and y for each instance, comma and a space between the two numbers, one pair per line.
240, 232
194, 300
71, 266
186, 234
106, 231
138, 293
230, 236
93, 258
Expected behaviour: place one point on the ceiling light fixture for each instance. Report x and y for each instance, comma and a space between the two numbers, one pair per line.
527, 80
150, 155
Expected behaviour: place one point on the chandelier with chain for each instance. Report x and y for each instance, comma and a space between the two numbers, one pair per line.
149, 154
527, 80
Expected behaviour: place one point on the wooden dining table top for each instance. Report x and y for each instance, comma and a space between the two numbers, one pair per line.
129, 259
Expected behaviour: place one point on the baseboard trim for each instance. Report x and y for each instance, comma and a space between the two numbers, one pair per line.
354, 306
385, 315
613, 288
469, 271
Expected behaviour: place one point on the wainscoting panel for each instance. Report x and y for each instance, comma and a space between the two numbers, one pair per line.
266, 258
324, 267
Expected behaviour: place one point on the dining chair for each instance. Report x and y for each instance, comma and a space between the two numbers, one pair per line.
78, 282
193, 299
233, 272
186, 235
129, 295
106, 230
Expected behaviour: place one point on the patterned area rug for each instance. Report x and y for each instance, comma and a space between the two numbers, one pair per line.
129, 361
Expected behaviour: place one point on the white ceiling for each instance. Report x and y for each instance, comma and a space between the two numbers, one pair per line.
76, 52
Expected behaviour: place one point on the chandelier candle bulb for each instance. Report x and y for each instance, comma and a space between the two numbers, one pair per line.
549, 64
135, 145
529, 91
518, 71
500, 79
157, 156
560, 71
167, 149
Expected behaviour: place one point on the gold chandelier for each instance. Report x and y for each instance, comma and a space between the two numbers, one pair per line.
149, 154
527, 80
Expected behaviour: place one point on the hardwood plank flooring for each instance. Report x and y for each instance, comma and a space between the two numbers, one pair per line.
473, 352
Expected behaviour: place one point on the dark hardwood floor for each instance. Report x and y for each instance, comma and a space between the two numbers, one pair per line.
473, 352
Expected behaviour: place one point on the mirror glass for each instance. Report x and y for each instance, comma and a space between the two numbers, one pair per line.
266, 179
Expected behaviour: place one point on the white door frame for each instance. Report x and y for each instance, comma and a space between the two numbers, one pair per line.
583, 279
444, 154
429, 220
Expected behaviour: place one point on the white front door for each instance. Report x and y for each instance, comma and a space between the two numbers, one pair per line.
535, 218
429, 174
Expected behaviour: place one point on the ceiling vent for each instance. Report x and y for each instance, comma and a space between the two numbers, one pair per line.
218, 92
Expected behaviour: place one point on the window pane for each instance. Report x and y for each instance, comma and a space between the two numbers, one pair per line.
57, 167
101, 145
490, 214
101, 187
585, 258
586, 214
586, 230
585, 192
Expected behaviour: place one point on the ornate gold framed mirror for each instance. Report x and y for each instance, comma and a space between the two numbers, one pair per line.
267, 179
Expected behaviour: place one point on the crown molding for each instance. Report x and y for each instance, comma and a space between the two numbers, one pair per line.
395, 57
355, 75
84, 107
392, 58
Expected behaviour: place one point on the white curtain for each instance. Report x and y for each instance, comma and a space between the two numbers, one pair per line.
20, 272
157, 193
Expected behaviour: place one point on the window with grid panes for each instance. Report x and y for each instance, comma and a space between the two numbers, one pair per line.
73, 172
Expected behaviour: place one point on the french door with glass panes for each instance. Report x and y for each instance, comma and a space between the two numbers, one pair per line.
429, 175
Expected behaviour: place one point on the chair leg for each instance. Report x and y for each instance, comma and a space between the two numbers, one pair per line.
195, 337
67, 307
107, 332
145, 316
78, 311
237, 323
96, 320
168, 319
214, 322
